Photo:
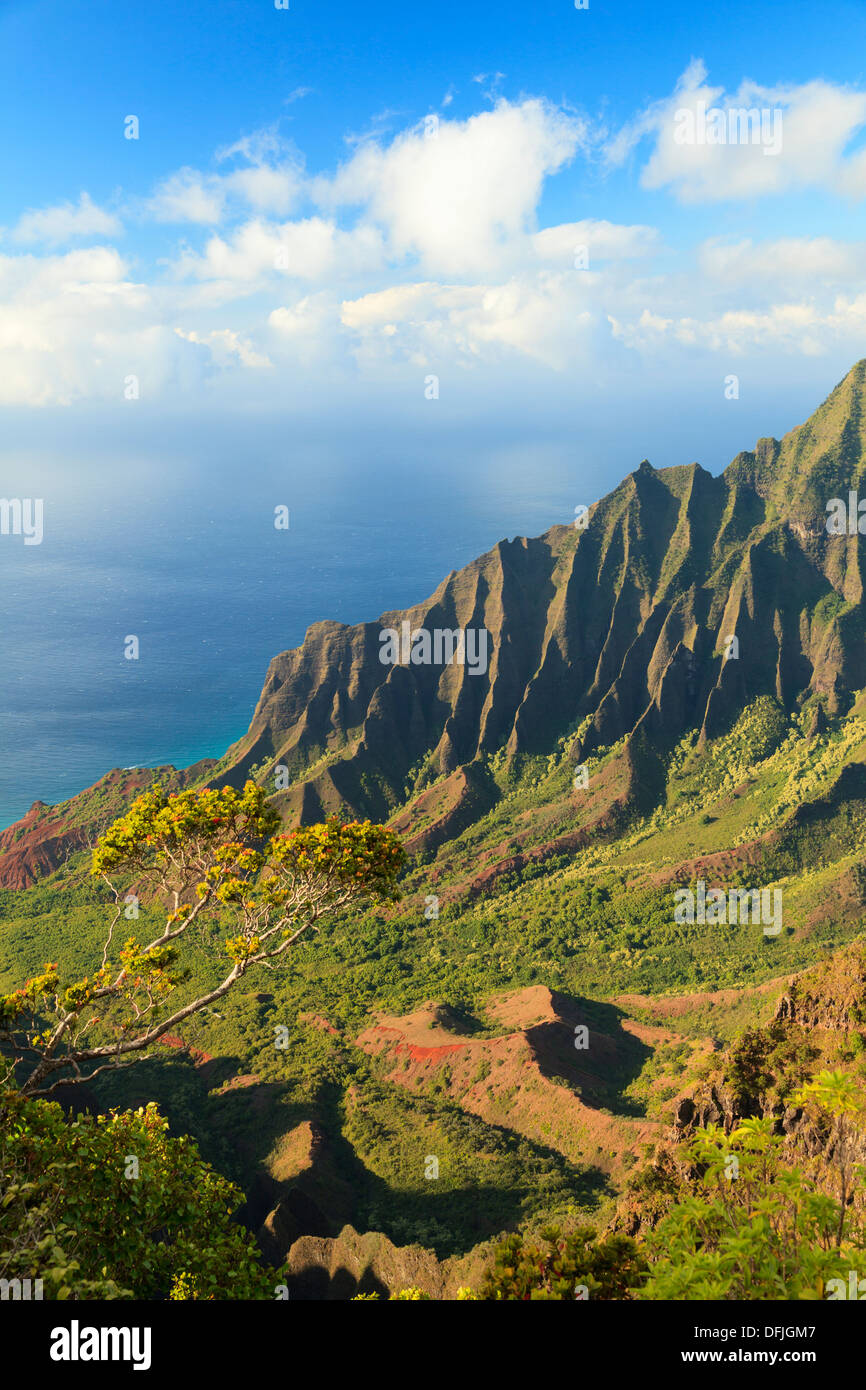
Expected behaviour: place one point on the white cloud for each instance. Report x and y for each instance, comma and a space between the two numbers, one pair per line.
604, 241
311, 249
262, 146
802, 143
783, 261
265, 188
272, 177
67, 221
74, 326
459, 198
306, 319
188, 196
534, 317
425, 251
227, 347
191, 196
800, 328
269, 180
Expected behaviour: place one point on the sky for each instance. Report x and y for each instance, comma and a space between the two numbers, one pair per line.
350, 217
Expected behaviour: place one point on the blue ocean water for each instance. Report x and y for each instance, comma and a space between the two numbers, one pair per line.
186, 557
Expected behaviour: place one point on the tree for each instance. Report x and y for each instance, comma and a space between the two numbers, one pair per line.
207, 856
758, 1230
568, 1268
835, 1095
112, 1206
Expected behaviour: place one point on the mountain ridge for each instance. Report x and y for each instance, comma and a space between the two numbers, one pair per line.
619, 627
614, 631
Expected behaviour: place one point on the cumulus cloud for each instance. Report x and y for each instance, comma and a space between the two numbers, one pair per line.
425, 250
310, 249
804, 328
227, 347
602, 241
269, 180
456, 195
782, 261
308, 319
535, 317
265, 188
66, 222
75, 325
790, 138
188, 196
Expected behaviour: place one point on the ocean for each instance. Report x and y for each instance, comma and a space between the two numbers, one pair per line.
184, 555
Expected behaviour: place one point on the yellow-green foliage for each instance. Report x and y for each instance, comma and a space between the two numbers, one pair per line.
213, 856
757, 1229
113, 1206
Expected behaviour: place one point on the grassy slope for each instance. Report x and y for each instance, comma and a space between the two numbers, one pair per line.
595, 924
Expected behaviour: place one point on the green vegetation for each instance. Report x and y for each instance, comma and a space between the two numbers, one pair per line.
487, 1178
114, 1207
278, 989
569, 1268
211, 856
593, 922
759, 1230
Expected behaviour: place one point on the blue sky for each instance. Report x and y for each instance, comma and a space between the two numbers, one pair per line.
413, 250
202, 75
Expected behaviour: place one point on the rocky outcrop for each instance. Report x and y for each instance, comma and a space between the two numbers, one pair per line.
818, 1021
300, 1194
338, 1268
622, 627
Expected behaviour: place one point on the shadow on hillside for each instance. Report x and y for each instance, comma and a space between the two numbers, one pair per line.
234, 1129
599, 1064
237, 1129
317, 1284
450, 1216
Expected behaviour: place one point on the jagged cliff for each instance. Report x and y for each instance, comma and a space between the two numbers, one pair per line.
614, 634
615, 628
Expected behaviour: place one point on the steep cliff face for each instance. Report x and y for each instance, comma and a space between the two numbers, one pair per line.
338, 1268
819, 1020
682, 598
622, 625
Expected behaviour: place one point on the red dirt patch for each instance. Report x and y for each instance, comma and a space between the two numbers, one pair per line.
320, 1022
174, 1040
528, 1080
